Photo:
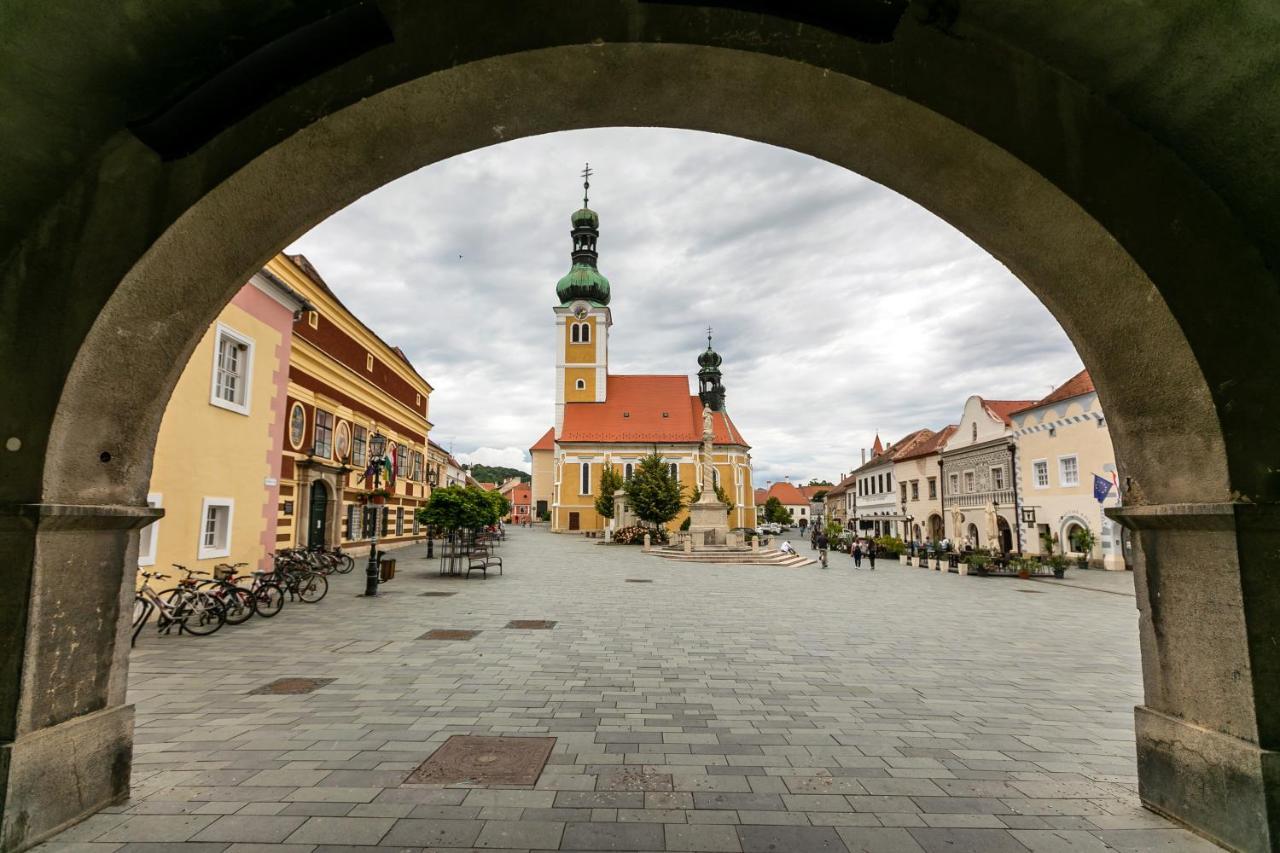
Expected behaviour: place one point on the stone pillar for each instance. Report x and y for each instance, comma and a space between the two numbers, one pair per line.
1208, 595
66, 734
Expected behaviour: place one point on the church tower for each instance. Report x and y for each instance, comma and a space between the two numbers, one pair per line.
710, 389
582, 317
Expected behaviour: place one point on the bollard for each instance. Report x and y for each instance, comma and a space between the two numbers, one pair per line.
688, 544
646, 541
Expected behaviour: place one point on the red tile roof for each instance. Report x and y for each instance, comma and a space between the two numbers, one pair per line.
644, 409
842, 487
1081, 383
933, 444
788, 494
810, 491
761, 496
1002, 409
897, 450
547, 442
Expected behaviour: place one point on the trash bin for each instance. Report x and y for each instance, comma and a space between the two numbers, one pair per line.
387, 569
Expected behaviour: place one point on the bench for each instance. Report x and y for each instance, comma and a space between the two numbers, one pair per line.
480, 558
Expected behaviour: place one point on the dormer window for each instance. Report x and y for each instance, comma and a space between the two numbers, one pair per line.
626, 414
666, 415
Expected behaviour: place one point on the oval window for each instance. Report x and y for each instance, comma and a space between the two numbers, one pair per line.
297, 425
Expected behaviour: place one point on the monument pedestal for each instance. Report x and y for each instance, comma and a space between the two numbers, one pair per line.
708, 523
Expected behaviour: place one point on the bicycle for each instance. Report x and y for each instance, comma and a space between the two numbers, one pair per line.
194, 613
264, 597
301, 581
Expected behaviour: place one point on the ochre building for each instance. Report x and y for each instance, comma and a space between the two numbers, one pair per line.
603, 418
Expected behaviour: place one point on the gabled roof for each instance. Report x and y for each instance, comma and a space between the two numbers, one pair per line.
761, 496
787, 494
810, 491
842, 487
1001, 409
547, 442
896, 450
933, 444
645, 409
1081, 383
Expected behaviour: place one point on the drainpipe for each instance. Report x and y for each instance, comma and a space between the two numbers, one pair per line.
1013, 478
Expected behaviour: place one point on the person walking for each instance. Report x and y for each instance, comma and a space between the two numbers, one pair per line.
823, 542
871, 555
857, 555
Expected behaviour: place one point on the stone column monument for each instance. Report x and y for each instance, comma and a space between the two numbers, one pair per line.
708, 516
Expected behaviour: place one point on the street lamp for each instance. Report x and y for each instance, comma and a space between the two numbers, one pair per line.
377, 447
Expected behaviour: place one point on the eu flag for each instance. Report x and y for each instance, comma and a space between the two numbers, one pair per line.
1101, 488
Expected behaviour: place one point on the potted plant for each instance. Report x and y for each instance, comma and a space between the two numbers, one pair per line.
1083, 540
376, 496
1025, 566
1058, 563
978, 562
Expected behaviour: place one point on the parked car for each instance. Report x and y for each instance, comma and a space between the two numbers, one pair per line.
769, 528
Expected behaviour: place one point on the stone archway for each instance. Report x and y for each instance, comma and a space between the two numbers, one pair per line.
1090, 174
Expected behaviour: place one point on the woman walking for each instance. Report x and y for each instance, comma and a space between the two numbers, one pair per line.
857, 555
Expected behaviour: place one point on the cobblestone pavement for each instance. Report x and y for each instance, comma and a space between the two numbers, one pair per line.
716, 708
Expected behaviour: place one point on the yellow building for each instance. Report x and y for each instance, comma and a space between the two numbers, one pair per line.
217, 461
346, 385
608, 419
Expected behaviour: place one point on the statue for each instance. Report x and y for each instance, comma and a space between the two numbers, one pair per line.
708, 467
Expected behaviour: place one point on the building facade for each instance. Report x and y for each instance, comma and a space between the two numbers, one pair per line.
217, 464
346, 385
979, 490
879, 511
609, 419
918, 471
1064, 448
841, 501
793, 500
521, 496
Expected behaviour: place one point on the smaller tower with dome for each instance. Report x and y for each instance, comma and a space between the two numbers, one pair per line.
710, 389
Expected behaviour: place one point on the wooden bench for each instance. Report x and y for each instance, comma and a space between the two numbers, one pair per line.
482, 559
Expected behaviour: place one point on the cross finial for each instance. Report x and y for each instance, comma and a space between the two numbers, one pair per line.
586, 182
708, 337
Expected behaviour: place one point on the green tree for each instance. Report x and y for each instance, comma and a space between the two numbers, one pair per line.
461, 507
820, 483
833, 529
721, 496
501, 504
774, 511
610, 482
818, 496
652, 491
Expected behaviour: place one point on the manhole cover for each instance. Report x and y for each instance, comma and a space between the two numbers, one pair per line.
1033, 591
639, 580
531, 624
479, 760
290, 686
448, 634
438, 594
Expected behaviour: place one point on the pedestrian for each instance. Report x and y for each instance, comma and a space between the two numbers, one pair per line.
857, 555
822, 547
813, 538
871, 556
786, 548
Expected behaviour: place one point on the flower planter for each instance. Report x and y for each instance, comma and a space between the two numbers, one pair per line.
1059, 572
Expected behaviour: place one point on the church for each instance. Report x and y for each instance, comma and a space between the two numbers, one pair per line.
609, 419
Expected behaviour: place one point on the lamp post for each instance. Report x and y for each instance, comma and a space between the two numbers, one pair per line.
433, 479
377, 446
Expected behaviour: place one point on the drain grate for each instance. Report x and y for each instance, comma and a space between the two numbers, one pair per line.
639, 580
448, 634
531, 624
482, 760
438, 594
290, 686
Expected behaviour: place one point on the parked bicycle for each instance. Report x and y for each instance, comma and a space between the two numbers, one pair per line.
193, 611
263, 596
300, 580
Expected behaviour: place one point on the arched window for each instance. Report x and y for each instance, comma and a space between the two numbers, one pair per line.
627, 470
586, 478
581, 385
715, 477
586, 332
675, 470
574, 331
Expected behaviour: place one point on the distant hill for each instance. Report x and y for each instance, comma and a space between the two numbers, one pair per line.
497, 474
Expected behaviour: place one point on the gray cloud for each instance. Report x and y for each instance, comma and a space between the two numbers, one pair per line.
842, 309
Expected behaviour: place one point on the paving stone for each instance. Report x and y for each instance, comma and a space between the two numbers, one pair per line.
530, 834
753, 802
966, 841
878, 840
341, 830
1060, 841
252, 828
157, 828
612, 836
793, 839
709, 838
414, 832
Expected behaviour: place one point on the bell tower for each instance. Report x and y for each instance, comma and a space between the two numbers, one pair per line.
582, 316
710, 390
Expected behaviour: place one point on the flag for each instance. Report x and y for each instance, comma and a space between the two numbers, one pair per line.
1101, 488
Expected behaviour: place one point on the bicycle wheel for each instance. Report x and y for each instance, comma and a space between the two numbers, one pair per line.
346, 564
312, 587
268, 598
141, 610
237, 602
196, 612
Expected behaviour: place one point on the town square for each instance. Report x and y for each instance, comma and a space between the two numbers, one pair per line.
639, 425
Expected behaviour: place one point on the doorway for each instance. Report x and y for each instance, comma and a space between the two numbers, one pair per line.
318, 517
574, 523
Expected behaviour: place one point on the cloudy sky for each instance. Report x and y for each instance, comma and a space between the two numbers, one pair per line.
841, 308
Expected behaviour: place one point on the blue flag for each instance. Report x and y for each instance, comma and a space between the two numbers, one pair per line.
1101, 488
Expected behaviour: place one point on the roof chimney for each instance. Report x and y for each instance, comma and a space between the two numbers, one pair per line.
864, 456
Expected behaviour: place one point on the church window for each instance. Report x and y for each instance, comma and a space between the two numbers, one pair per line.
573, 333
586, 333
675, 470
581, 385
627, 471
715, 477
586, 479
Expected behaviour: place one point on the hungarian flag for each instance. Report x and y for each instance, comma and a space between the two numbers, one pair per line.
1101, 488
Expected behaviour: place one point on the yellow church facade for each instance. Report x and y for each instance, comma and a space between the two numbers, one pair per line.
604, 419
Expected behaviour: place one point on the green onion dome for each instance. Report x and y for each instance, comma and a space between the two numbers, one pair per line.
583, 281
585, 217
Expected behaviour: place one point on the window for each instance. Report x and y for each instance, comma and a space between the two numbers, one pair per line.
386, 520
968, 481
417, 525
915, 490
715, 477
358, 436
675, 471
215, 528
368, 522
402, 461
417, 399
627, 471
997, 476
368, 362
399, 521
904, 491
350, 533
933, 488
580, 333
418, 462
342, 440
954, 483
574, 334
1040, 471
313, 319
1068, 471
148, 536
297, 425
975, 432
584, 485
580, 385
323, 445
232, 370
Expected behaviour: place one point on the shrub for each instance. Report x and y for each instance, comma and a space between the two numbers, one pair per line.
891, 545
634, 535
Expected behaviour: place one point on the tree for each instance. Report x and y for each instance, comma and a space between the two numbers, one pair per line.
653, 492
818, 496
496, 473
462, 507
721, 495
610, 482
820, 483
775, 512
